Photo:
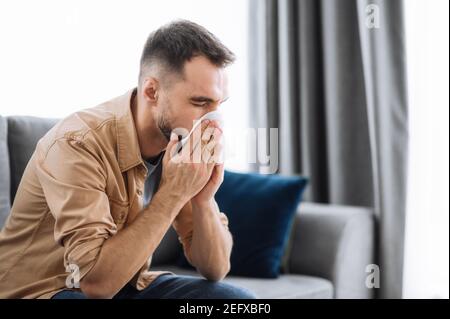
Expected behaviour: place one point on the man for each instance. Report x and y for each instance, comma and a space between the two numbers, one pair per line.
103, 186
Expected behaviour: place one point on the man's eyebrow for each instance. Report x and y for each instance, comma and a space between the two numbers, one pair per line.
205, 99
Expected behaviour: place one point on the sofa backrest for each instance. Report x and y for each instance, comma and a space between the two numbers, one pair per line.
18, 138
5, 180
23, 134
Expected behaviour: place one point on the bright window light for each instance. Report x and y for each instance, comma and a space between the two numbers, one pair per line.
61, 56
427, 236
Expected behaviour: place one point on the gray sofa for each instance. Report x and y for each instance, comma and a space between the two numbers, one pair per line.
329, 249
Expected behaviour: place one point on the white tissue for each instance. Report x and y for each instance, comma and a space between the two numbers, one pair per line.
214, 115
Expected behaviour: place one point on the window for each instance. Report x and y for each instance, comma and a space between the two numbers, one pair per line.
427, 236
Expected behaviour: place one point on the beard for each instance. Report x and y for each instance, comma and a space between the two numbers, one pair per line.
164, 126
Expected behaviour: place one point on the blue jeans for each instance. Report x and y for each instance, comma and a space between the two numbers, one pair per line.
168, 286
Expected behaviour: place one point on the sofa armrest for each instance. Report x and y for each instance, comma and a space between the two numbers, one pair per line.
336, 243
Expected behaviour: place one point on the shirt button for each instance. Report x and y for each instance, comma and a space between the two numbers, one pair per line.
139, 192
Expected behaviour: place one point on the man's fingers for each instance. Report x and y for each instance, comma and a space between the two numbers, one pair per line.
205, 136
212, 133
206, 155
208, 132
218, 173
171, 147
196, 139
210, 138
216, 154
212, 155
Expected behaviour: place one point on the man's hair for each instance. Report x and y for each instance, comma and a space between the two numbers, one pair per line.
173, 44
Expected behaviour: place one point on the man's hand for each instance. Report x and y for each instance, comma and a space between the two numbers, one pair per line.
211, 155
193, 173
211, 187
209, 246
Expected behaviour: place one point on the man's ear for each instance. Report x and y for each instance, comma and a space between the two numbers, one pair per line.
150, 90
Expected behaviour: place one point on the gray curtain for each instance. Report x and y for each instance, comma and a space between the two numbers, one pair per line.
330, 75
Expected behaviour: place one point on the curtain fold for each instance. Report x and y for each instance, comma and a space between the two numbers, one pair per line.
334, 86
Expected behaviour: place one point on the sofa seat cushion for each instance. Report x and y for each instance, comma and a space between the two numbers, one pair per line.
288, 286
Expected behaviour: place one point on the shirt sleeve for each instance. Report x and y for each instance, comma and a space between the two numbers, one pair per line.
183, 225
73, 180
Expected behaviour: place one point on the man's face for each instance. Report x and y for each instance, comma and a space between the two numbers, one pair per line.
201, 90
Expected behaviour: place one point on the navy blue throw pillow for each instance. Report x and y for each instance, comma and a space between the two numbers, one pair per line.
261, 210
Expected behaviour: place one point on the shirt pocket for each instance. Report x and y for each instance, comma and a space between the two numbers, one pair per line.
119, 212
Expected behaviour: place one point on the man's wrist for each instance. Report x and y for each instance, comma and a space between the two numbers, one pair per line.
175, 199
198, 206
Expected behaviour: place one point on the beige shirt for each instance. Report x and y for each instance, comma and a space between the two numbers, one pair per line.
83, 184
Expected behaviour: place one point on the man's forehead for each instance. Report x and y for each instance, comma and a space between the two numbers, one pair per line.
204, 79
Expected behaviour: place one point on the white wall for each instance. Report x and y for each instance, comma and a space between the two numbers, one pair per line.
57, 57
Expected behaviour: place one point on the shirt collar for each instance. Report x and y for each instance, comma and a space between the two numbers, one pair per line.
129, 153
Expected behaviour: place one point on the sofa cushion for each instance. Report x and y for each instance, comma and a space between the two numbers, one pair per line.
260, 209
4, 173
23, 134
285, 286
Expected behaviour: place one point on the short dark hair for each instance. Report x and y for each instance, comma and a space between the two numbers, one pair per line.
178, 42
